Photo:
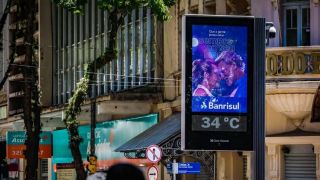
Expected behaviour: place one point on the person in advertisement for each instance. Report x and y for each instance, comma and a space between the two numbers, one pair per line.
206, 77
222, 77
232, 74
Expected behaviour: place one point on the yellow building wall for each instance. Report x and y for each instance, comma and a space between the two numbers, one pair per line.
229, 164
278, 123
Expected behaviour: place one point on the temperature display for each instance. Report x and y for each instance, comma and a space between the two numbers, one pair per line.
219, 123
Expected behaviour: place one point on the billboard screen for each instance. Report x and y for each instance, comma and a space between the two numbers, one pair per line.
219, 68
217, 82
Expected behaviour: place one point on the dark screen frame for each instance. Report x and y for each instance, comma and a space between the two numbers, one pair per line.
202, 140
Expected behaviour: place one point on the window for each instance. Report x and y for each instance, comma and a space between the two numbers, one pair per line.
296, 23
3, 112
81, 39
209, 7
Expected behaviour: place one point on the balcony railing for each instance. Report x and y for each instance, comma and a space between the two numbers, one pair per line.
292, 78
292, 61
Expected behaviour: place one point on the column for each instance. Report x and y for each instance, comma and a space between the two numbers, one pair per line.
250, 165
221, 7
223, 165
274, 164
314, 22
200, 7
316, 148
229, 166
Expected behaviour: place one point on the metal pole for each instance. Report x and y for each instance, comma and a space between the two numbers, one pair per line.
173, 172
93, 125
259, 99
93, 112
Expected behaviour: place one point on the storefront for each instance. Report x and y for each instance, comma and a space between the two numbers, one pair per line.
293, 154
167, 135
108, 136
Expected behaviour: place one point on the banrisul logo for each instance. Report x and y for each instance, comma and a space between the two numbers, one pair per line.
218, 104
214, 104
226, 106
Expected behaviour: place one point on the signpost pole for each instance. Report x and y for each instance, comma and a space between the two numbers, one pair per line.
173, 171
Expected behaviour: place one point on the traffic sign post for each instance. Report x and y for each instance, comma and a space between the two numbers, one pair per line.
153, 173
154, 153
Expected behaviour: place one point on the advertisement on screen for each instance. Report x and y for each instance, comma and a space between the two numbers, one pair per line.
219, 68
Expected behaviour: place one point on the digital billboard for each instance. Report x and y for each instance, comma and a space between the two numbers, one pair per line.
218, 81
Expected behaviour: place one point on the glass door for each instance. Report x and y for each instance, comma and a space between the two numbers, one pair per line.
296, 24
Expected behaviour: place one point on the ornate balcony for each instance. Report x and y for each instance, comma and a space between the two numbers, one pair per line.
293, 75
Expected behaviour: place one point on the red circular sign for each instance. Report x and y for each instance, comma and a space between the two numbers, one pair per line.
154, 153
152, 173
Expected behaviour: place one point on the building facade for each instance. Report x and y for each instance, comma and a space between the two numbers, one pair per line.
292, 79
146, 79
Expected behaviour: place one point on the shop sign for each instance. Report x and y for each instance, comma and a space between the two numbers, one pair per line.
65, 171
109, 135
16, 144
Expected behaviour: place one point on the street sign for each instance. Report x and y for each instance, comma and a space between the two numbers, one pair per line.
153, 173
154, 153
184, 168
169, 168
16, 144
189, 168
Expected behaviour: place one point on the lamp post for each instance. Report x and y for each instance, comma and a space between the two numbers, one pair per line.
93, 120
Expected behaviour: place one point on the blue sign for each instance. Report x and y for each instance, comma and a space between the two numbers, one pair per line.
189, 168
169, 168
184, 168
19, 138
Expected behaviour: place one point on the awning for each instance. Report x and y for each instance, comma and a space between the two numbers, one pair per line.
167, 136
157, 134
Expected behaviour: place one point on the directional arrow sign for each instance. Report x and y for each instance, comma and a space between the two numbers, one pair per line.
153, 173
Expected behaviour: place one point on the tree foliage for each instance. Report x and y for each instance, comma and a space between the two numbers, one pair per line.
159, 7
117, 10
